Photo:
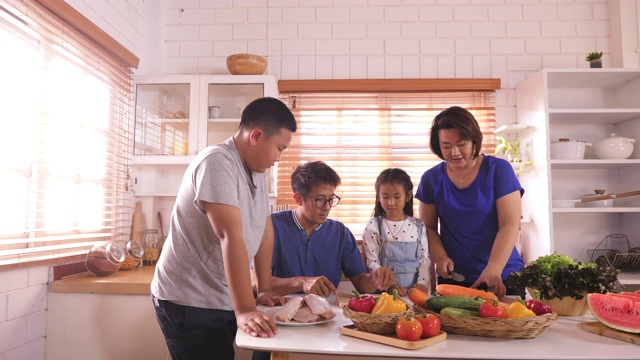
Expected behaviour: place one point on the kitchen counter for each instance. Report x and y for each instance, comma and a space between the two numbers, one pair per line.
130, 282
562, 340
110, 317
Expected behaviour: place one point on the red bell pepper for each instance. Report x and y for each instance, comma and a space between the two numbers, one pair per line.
537, 306
362, 303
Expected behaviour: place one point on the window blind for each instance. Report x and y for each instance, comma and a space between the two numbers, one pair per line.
66, 95
361, 127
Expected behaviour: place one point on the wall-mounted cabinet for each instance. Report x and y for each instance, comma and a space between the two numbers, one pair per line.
177, 116
585, 105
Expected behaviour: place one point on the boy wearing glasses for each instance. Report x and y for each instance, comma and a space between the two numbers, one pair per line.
312, 251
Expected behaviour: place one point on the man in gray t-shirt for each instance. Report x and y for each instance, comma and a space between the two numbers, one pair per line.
201, 288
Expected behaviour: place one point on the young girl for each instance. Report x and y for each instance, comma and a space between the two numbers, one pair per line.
395, 239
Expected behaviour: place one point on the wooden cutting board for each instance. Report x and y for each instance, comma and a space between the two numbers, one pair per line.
392, 340
596, 327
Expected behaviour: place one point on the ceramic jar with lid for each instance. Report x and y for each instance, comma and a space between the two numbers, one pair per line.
568, 149
614, 147
598, 203
105, 259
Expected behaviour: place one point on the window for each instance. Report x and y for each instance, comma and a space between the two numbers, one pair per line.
65, 130
360, 132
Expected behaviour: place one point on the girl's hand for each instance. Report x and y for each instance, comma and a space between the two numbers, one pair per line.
421, 287
402, 291
383, 278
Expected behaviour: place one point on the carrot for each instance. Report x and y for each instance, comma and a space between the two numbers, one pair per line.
457, 290
418, 297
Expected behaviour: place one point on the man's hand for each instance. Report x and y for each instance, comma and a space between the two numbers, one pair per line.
256, 323
270, 298
383, 278
320, 286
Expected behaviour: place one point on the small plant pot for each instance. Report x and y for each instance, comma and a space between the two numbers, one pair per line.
594, 64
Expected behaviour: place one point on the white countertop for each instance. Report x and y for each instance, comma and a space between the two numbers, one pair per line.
562, 340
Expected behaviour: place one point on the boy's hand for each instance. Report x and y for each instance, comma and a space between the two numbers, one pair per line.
256, 323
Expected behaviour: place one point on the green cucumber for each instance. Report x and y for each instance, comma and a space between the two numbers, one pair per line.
459, 312
437, 303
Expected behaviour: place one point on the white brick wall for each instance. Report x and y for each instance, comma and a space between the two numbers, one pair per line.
23, 306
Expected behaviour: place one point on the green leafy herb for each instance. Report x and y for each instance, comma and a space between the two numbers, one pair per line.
557, 276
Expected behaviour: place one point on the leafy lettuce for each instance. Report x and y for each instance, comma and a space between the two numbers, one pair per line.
557, 276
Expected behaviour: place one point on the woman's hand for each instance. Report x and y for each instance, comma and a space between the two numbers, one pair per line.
493, 280
444, 266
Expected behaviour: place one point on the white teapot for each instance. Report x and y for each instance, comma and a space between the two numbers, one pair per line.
614, 147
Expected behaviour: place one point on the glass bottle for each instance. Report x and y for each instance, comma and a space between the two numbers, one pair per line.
104, 259
151, 244
133, 256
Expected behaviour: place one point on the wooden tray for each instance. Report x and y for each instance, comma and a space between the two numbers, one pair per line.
596, 327
393, 340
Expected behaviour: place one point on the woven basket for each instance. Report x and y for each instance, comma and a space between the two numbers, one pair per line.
374, 323
524, 328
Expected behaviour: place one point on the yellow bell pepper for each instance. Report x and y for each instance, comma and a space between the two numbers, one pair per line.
389, 304
518, 310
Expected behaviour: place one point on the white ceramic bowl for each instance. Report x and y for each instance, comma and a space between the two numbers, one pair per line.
614, 147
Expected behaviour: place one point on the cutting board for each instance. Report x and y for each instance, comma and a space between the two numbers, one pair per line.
599, 328
393, 340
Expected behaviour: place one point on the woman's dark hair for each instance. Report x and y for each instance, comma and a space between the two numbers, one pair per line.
310, 174
398, 177
463, 122
269, 114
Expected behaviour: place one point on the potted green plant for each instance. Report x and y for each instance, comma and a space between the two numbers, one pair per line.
594, 59
512, 152
563, 283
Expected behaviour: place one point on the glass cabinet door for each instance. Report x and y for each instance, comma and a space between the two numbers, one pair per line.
162, 119
225, 102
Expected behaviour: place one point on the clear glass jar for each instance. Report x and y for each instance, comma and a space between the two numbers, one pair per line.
151, 243
105, 259
133, 256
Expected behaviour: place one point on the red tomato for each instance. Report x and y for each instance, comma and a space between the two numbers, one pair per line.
430, 325
491, 309
409, 328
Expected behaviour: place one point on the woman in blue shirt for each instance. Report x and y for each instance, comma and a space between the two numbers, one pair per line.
475, 199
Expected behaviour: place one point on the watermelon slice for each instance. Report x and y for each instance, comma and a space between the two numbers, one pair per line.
616, 311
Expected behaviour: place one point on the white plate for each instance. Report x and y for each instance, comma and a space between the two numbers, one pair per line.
272, 312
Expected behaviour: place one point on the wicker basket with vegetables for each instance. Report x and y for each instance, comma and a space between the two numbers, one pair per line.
556, 277
474, 312
376, 316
